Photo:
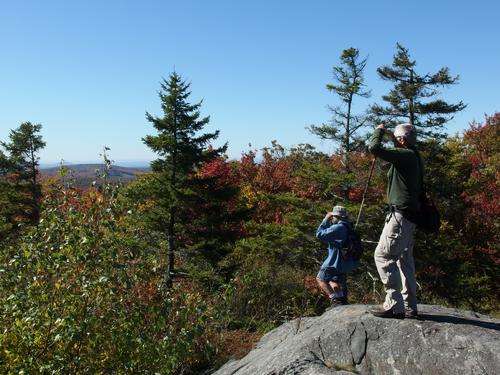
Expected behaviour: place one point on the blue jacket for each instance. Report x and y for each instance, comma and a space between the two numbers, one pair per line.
335, 235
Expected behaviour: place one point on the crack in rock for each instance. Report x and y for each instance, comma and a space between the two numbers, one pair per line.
358, 342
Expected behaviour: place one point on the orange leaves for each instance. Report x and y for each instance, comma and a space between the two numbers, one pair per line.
236, 343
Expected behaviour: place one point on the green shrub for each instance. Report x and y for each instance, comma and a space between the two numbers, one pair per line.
81, 293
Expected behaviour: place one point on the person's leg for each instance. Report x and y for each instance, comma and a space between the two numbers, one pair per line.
323, 279
325, 287
328, 281
386, 255
335, 286
407, 267
339, 285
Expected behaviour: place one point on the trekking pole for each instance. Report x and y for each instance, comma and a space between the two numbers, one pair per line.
366, 189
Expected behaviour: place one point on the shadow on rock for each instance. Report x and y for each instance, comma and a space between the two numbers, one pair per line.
457, 320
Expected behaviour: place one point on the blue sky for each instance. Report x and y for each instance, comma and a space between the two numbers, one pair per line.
89, 70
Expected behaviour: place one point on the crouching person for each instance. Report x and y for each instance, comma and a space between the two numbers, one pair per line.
332, 276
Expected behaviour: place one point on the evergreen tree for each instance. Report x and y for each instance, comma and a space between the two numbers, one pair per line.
7, 191
20, 169
349, 82
413, 98
181, 151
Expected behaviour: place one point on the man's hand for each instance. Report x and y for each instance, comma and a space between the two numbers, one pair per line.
329, 216
381, 126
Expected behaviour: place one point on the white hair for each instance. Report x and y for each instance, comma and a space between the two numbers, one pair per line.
408, 132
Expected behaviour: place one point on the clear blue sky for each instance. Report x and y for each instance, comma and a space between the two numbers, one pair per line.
88, 70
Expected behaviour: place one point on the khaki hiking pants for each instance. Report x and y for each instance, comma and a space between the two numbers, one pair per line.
395, 265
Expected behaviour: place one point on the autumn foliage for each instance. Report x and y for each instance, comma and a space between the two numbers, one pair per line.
482, 147
83, 290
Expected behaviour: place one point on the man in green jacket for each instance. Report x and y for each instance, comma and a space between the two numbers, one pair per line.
394, 252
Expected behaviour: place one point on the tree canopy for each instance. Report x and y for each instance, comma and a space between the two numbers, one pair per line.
414, 97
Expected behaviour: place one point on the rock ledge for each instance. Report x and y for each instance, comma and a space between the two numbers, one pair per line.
348, 340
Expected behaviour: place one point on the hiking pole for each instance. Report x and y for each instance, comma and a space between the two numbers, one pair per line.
366, 189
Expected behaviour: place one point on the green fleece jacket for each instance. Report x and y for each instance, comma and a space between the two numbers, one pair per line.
404, 186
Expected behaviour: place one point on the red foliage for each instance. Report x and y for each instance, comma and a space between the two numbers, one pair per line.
307, 190
274, 175
482, 143
356, 194
483, 139
221, 172
248, 167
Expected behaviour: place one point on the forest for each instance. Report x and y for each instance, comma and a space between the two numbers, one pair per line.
187, 266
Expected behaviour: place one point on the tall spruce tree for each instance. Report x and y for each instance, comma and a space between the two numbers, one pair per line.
414, 97
181, 151
349, 82
20, 170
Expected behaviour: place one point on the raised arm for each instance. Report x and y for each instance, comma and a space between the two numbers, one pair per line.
328, 232
396, 156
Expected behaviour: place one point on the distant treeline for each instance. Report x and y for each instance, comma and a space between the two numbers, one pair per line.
88, 175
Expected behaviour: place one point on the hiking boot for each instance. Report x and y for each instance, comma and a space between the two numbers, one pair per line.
411, 314
381, 313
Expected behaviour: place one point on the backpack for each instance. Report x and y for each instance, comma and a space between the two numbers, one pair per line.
429, 219
351, 249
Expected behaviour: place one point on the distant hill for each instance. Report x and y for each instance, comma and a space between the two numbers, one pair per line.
84, 174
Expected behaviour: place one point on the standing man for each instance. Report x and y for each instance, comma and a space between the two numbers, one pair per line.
394, 252
332, 278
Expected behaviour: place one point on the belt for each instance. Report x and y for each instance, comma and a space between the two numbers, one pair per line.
410, 215
393, 208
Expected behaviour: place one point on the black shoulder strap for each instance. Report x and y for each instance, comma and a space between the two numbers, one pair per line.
421, 170
349, 227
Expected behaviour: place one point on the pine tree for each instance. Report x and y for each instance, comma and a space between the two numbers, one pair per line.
413, 98
181, 151
20, 169
349, 82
